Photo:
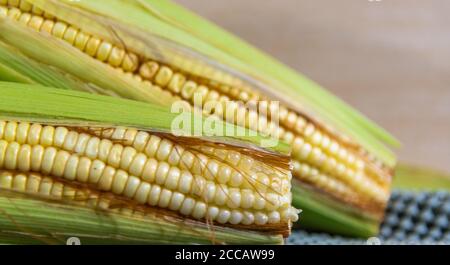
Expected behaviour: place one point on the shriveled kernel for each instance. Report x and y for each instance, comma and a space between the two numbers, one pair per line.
176, 83
188, 89
148, 70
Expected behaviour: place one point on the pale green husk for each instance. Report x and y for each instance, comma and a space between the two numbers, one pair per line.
419, 178
27, 220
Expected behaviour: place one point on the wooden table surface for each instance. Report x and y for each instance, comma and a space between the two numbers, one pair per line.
390, 59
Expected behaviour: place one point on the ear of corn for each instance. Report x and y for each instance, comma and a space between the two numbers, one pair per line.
163, 53
106, 153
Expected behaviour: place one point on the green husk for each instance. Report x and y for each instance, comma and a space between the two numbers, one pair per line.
321, 213
416, 178
27, 220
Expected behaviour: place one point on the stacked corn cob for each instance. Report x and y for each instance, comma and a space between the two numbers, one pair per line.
163, 54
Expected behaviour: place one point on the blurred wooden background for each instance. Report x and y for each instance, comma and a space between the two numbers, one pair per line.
390, 59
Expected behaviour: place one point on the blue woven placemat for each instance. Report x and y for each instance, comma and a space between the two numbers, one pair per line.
411, 218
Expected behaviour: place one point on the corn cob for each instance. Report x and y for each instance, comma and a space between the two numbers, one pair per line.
56, 158
348, 165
